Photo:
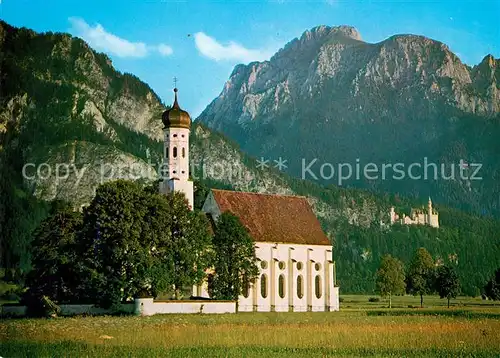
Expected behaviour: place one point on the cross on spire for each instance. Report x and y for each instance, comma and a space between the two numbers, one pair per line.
175, 82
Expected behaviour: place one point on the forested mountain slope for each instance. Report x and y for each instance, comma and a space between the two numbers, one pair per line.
61, 102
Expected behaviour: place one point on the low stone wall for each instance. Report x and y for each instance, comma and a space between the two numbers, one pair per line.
68, 310
148, 307
140, 306
14, 311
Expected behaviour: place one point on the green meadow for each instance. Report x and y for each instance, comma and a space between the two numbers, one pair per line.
470, 328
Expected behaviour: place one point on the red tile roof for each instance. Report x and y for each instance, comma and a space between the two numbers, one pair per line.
273, 218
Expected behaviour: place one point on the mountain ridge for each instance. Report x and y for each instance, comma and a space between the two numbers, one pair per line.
408, 97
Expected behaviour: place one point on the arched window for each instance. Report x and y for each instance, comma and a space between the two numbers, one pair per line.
263, 286
175, 152
281, 286
246, 287
166, 152
183, 152
300, 286
317, 286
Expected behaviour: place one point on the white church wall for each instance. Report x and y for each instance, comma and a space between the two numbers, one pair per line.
210, 206
149, 307
291, 261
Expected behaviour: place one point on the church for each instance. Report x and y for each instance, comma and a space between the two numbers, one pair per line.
296, 268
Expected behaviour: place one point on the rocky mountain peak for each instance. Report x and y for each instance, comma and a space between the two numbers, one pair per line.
322, 32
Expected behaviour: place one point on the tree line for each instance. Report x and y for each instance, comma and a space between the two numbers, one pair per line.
423, 277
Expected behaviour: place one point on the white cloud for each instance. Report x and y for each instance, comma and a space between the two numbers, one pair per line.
165, 50
211, 48
101, 40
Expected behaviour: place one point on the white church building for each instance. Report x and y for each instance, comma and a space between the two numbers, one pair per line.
297, 271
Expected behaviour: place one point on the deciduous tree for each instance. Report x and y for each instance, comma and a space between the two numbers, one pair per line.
54, 257
447, 282
139, 242
390, 277
420, 278
234, 258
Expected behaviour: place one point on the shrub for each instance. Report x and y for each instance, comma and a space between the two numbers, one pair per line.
341, 299
374, 299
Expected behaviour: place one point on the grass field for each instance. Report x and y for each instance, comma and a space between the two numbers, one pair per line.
359, 329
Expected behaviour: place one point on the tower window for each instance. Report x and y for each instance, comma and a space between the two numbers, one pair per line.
166, 152
182, 135
175, 135
175, 152
183, 152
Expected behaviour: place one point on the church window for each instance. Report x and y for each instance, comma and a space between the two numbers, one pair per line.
263, 286
281, 286
175, 171
166, 152
281, 265
317, 266
175, 152
183, 152
317, 286
299, 265
300, 286
263, 264
175, 135
182, 135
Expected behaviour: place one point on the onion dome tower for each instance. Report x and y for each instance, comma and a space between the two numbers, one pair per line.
175, 168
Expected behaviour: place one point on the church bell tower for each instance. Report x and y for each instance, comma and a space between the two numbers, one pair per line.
175, 169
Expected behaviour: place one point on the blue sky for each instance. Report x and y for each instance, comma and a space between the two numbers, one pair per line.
200, 42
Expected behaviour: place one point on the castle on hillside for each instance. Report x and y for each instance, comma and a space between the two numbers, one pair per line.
417, 216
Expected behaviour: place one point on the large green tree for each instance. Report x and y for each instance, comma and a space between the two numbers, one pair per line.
390, 277
54, 252
447, 282
190, 241
234, 258
139, 242
420, 278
